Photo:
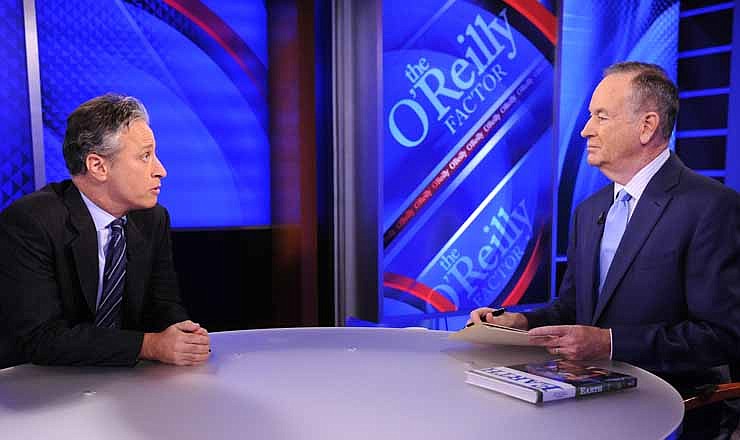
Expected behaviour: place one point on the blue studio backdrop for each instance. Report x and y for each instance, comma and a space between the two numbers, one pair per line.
483, 158
467, 158
200, 68
611, 31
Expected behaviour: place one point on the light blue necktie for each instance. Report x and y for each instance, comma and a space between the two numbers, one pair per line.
616, 222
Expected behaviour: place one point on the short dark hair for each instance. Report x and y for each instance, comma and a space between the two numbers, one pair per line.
95, 126
653, 90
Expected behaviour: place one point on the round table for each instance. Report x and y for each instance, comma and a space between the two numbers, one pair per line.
321, 383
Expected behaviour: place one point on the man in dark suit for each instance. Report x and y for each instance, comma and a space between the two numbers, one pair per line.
663, 290
86, 271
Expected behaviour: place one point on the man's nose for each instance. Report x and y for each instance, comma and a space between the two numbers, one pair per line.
587, 131
159, 170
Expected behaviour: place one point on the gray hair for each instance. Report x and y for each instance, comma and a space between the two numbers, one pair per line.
95, 127
652, 90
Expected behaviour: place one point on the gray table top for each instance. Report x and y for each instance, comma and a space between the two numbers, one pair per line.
321, 383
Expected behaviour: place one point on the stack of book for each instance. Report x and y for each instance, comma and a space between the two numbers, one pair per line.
551, 380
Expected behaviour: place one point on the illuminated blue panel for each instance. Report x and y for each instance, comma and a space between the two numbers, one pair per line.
16, 150
467, 159
595, 35
199, 67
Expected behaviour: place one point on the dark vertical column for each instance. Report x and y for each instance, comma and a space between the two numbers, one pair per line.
307, 144
324, 157
358, 85
293, 161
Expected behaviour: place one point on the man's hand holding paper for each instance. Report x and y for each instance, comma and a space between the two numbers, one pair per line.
573, 342
493, 316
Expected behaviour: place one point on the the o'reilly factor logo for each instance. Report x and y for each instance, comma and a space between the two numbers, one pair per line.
488, 259
452, 96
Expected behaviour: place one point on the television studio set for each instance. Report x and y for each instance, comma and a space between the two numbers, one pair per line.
369, 219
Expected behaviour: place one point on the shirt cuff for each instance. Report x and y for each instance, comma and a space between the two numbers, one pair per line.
611, 345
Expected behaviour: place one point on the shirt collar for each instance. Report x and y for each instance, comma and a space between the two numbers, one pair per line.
100, 217
636, 186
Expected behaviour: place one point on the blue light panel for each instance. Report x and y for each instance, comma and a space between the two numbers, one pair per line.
201, 70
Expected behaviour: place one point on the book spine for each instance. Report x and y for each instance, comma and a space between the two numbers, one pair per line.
626, 382
505, 387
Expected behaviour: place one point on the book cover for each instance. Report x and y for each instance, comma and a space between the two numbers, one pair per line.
551, 380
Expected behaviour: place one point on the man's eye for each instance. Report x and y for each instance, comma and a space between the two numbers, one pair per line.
146, 156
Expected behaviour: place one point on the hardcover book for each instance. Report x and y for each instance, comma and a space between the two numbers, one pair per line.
551, 380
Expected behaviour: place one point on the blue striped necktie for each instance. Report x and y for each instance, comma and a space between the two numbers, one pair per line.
616, 223
114, 279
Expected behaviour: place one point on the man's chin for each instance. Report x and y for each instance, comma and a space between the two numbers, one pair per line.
148, 203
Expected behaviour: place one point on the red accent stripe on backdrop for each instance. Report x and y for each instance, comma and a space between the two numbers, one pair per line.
442, 304
527, 276
419, 290
220, 31
538, 15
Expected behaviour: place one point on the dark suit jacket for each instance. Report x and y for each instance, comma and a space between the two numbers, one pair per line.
672, 294
49, 281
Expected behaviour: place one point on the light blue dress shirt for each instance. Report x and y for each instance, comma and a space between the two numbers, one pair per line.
636, 186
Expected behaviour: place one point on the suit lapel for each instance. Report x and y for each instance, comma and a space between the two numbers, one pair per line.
82, 239
647, 213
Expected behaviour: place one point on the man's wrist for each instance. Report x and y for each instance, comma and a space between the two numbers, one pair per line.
147, 346
521, 321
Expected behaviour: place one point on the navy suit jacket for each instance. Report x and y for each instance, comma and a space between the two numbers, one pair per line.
49, 281
672, 294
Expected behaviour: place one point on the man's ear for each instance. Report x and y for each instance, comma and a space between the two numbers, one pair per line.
649, 124
97, 166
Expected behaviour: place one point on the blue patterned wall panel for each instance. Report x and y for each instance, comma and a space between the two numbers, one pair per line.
16, 150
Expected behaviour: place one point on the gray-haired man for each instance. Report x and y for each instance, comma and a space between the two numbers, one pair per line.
86, 272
